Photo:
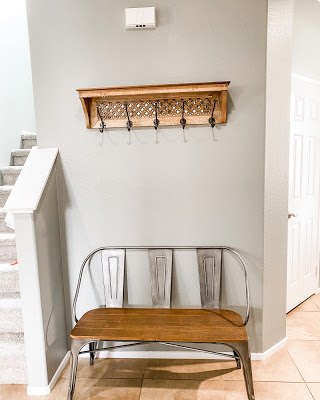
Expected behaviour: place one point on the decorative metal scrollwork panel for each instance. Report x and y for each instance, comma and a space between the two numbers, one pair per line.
113, 263
145, 108
160, 262
209, 263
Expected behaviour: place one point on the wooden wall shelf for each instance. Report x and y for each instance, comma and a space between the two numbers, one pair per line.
108, 105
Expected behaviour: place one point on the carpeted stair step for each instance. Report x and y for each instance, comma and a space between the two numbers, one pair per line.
9, 175
3, 226
8, 251
12, 359
28, 140
9, 281
11, 316
4, 194
19, 156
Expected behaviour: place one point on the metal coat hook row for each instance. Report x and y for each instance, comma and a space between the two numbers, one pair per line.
183, 121
102, 123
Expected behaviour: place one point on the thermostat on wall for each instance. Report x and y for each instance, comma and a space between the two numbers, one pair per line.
141, 18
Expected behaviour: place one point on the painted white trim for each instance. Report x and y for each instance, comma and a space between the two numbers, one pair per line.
45, 390
27, 191
270, 352
305, 79
185, 355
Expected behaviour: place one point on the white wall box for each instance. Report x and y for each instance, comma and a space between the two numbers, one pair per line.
141, 18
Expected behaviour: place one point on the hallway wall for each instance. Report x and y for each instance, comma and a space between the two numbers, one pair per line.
202, 192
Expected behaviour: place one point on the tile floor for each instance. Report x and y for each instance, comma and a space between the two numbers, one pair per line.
291, 374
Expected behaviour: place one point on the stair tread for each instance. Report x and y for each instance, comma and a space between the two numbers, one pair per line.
10, 303
20, 152
6, 188
28, 135
8, 268
11, 168
7, 236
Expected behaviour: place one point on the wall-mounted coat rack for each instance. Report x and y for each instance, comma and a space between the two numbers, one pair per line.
155, 105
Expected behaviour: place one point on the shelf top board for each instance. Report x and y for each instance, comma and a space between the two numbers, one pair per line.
124, 91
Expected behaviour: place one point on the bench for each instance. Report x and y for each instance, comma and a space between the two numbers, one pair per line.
161, 324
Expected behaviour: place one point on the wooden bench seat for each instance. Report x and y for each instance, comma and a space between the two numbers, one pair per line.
160, 325
103, 326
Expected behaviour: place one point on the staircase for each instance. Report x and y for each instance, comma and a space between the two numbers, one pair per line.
12, 352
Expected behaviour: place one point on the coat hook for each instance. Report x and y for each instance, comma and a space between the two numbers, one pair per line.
156, 121
102, 123
183, 122
129, 123
212, 120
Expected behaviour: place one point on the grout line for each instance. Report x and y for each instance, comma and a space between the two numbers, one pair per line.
143, 377
301, 373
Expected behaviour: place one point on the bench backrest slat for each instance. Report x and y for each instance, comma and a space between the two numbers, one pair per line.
160, 263
113, 263
209, 264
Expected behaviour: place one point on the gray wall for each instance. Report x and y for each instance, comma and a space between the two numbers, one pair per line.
203, 192
306, 33
279, 57
40, 261
16, 97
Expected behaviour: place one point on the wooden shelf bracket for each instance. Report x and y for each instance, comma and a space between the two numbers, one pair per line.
155, 105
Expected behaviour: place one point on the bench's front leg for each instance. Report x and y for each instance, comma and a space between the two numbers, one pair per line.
76, 346
237, 359
92, 347
243, 351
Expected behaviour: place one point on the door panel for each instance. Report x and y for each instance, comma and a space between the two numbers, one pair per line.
303, 225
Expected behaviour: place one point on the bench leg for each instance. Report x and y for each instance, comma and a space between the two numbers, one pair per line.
76, 346
237, 359
92, 347
242, 350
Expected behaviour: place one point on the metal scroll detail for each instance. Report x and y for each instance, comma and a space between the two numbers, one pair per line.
145, 108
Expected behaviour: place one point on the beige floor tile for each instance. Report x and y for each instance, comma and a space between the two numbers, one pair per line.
186, 369
303, 326
316, 299
93, 389
19, 392
268, 391
110, 368
98, 389
278, 368
306, 355
308, 305
159, 389
315, 390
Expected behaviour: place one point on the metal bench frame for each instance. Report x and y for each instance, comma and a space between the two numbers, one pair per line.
241, 352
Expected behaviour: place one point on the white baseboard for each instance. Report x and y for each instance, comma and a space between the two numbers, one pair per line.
45, 390
263, 356
186, 355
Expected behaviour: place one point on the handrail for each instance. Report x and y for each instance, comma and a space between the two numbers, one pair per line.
27, 191
177, 248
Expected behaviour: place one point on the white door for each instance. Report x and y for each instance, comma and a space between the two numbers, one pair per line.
303, 210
